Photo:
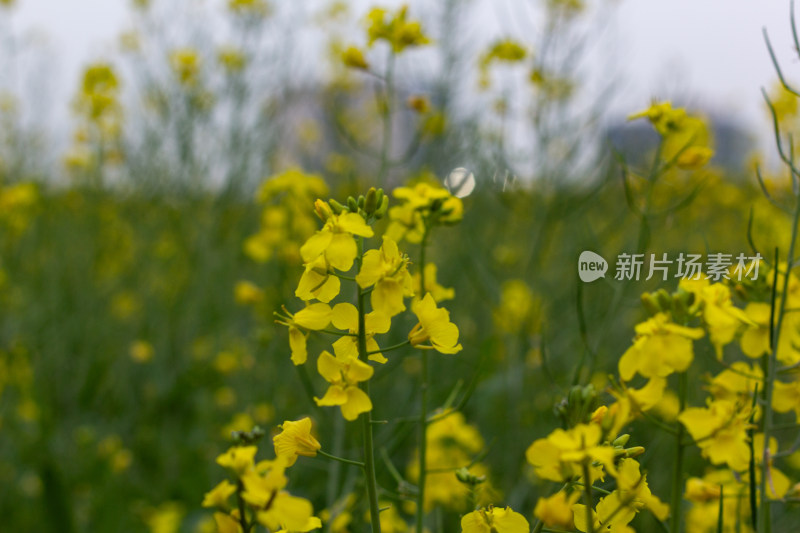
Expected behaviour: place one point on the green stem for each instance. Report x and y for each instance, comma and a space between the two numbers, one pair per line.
423, 417
366, 418
677, 478
340, 459
765, 519
390, 348
587, 496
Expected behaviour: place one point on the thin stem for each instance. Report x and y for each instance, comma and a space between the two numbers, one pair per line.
423, 416
677, 489
587, 496
390, 348
340, 459
366, 418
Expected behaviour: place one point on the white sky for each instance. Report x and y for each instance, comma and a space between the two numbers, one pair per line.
709, 51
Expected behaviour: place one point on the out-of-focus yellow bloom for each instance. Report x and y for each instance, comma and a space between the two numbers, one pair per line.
685, 139
438, 292
720, 430
419, 103
387, 270
391, 521
254, 8
395, 29
166, 518
186, 64
556, 510
517, 308
422, 205
344, 375
7, 3
660, 348
238, 459
451, 443
633, 488
721, 317
777, 482
506, 50
494, 520
247, 293
295, 439
353, 57
218, 496
737, 383
704, 494
232, 59
434, 326
141, 351
755, 338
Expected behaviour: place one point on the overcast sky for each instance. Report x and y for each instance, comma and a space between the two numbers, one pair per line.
711, 51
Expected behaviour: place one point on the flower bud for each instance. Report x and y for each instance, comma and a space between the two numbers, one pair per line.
336, 206
636, 451
622, 440
323, 210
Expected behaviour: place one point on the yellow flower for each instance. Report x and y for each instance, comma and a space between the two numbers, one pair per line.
231, 59
353, 57
434, 326
438, 292
559, 456
494, 520
247, 293
318, 281
786, 397
397, 31
720, 430
634, 490
685, 139
613, 515
141, 351
344, 375
556, 510
736, 383
276, 508
386, 268
659, 349
335, 240
238, 459
218, 496
186, 65
256, 8
314, 317
422, 205
227, 523
295, 439
755, 338
345, 316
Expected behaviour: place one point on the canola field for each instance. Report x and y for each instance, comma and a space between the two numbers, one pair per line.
237, 301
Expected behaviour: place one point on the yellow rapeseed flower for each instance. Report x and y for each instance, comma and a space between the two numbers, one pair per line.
434, 327
345, 317
494, 520
218, 496
344, 375
720, 430
387, 270
335, 240
295, 439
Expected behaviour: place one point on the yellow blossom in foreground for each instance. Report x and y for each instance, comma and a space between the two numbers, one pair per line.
218, 496
344, 375
559, 456
318, 281
335, 240
434, 326
721, 317
314, 317
720, 430
556, 510
387, 270
276, 508
494, 520
238, 459
227, 523
661, 347
295, 439
613, 515
632, 485
345, 316
755, 338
